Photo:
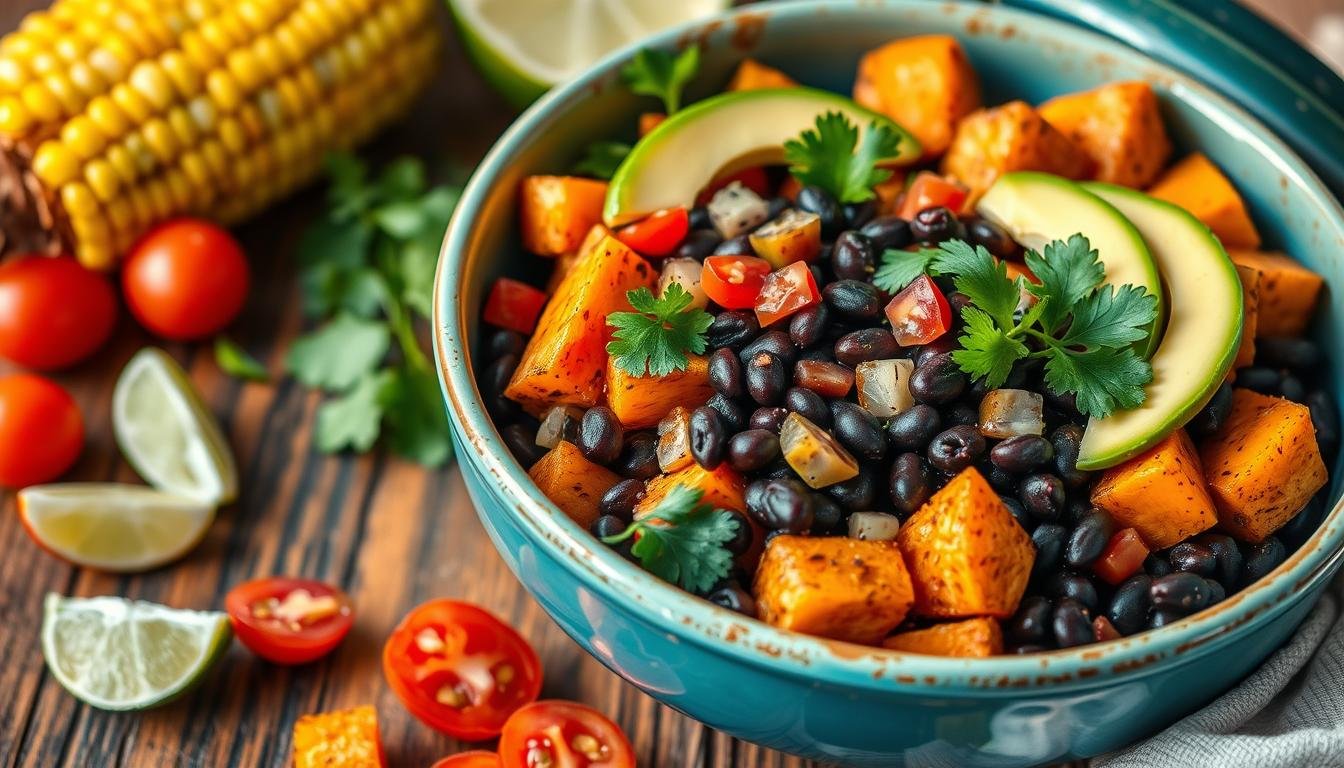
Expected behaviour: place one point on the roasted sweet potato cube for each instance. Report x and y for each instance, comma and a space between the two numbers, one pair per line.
1288, 292
1199, 187
347, 738
972, 638
565, 362
833, 586
557, 211
572, 482
650, 120
1160, 493
752, 75
642, 401
1119, 126
1012, 137
924, 83
1250, 294
967, 554
722, 488
1263, 465
566, 261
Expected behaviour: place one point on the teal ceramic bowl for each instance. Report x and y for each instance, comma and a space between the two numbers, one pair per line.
833, 701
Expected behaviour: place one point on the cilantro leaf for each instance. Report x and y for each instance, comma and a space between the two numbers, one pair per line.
1111, 318
1104, 379
981, 277
601, 159
658, 73
900, 268
682, 541
1068, 272
235, 361
656, 337
352, 421
832, 157
415, 418
339, 354
987, 351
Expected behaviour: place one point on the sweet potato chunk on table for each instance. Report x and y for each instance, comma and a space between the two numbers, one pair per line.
924, 83
1263, 465
975, 638
1288, 292
572, 482
1119, 126
1199, 187
1012, 137
1160, 493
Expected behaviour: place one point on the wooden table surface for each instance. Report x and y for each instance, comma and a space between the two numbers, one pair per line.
392, 534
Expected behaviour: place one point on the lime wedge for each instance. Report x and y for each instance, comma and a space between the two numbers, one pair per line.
167, 433
523, 47
113, 527
113, 653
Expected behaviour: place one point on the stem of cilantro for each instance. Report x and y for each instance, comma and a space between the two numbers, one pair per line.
403, 328
617, 538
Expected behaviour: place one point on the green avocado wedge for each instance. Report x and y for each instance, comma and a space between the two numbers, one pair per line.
1037, 208
1203, 331
720, 135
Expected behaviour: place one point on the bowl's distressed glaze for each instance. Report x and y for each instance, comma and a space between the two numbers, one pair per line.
834, 701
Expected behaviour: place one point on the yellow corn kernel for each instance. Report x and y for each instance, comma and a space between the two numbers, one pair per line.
119, 215
95, 256
131, 102
12, 74
123, 162
54, 163
15, 119
246, 71
150, 81
86, 79
184, 128
185, 77
107, 116
309, 85
223, 89
160, 139
291, 96
102, 179
179, 190
78, 200
195, 169
254, 126
203, 114
91, 230
291, 46
112, 58
40, 102
198, 51
83, 137
271, 109
232, 135
141, 210
268, 57
160, 202
145, 161
70, 47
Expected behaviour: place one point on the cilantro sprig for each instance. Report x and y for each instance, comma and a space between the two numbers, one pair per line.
1082, 327
831, 156
656, 337
654, 72
367, 270
601, 159
683, 541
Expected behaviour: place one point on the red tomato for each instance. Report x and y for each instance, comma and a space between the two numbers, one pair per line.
477, 758
657, 235
1122, 557
754, 178
459, 669
786, 291
185, 280
41, 430
930, 190
53, 312
514, 305
919, 313
289, 621
563, 734
733, 282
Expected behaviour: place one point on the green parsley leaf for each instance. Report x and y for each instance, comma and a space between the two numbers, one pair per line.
235, 361
337, 355
900, 268
1104, 379
658, 73
601, 159
1110, 318
981, 277
352, 421
832, 157
1068, 272
987, 351
415, 417
683, 541
654, 339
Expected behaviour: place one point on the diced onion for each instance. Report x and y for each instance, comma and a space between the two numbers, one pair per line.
814, 454
736, 210
674, 441
686, 273
559, 423
1011, 412
873, 526
884, 386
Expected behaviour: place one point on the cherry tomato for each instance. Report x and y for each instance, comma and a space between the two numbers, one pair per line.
459, 669
929, 190
657, 235
41, 430
786, 291
754, 178
1122, 557
733, 282
477, 758
289, 621
53, 312
514, 305
185, 280
919, 313
563, 734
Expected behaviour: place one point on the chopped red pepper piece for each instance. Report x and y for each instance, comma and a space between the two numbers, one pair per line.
1122, 557
919, 313
514, 305
929, 190
786, 291
656, 235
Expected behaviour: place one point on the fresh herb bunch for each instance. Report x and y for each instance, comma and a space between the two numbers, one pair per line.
1084, 328
832, 157
655, 339
683, 541
367, 271
235, 361
654, 72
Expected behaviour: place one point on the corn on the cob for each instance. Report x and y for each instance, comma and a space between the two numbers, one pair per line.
118, 114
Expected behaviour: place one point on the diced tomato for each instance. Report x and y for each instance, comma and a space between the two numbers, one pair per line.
563, 734
1104, 630
657, 235
930, 190
733, 282
514, 305
919, 313
753, 178
477, 758
1122, 557
786, 291
289, 621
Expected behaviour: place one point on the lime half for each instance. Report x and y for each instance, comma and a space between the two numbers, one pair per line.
167, 433
113, 653
523, 47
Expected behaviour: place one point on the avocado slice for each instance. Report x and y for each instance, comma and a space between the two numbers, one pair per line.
1036, 208
721, 135
1202, 336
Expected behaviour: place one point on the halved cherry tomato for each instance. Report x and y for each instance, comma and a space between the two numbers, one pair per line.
563, 734
514, 305
786, 291
41, 430
1122, 557
53, 312
477, 758
459, 669
754, 178
185, 280
289, 621
656, 235
919, 313
733, 282
930, 190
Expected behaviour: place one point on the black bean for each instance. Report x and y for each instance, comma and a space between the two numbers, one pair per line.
1019, 513
1031, 622
734, 598
827, 516
608, 525
1130, 604
1227, 556
1161, 617
709, 441
781, 505
961, 415
766, 377
1259, 379
816, 200
981, 231
1067, 441
1066, 403
809, 405
699, 218
855, 494
779, 470
913, 429
503, 342
725, 372
494, 379
1300, 526
776, 206
745, 535
1076, 508
808, 326
957, 448
1180, 591
1209, 418
750, 450
1022, 453
864, 345
1049, 540
1155, 565
1292, 388
938, 380
639, 457
817, 354
735, 246
1022, 650
1217, 592
858, 430
600, 435
768, 418
939, 346
1089, 538
1064, 584
1071, 625
858, 214
1043, 496
522, 443
958, 301
999, 480
1193, 558
855, 299
733, 329
1286, 352
936, 224
730, 412
620, 499
1260, 559
698, 244
1325, 418
775, 342
853, 256
910, 483
887, 232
